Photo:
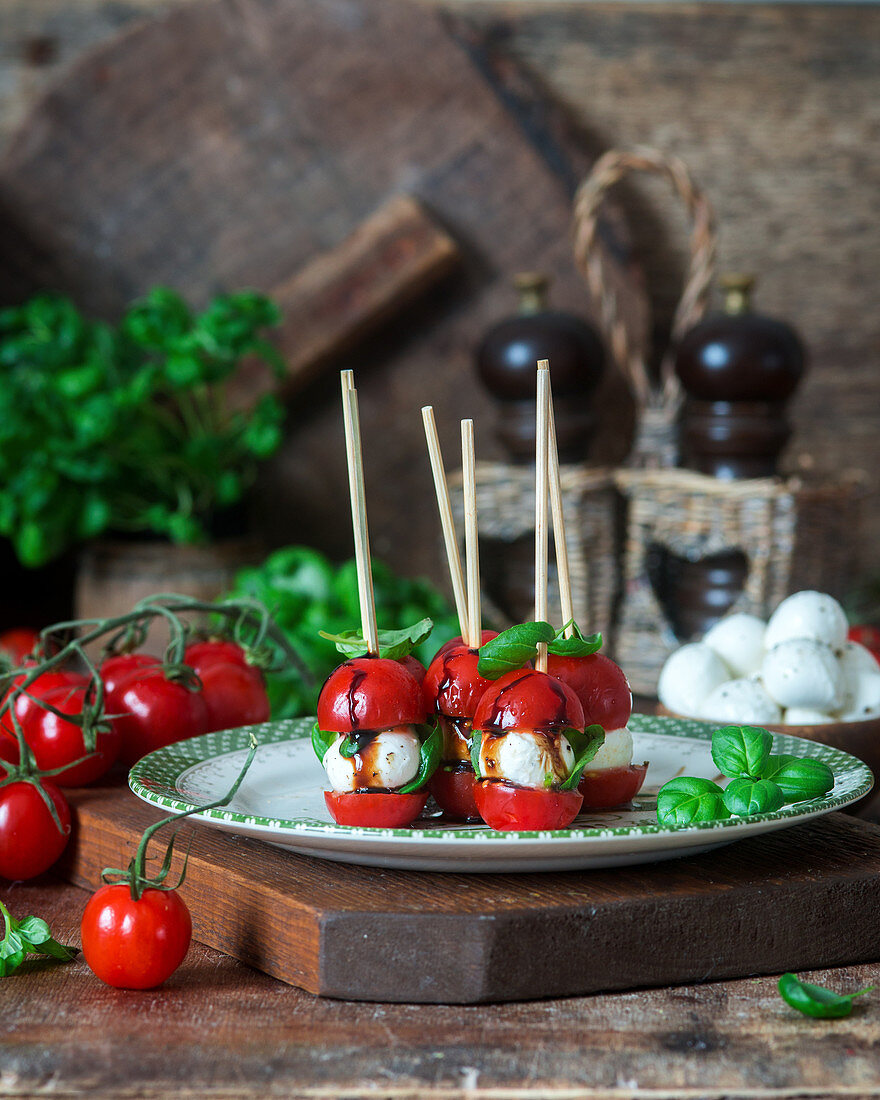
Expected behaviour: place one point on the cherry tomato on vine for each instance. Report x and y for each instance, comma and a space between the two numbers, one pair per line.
375, 809
30, 841
18, 643
44, 684
154, 711
200, 654
234, 691
135, 943
115, 669
56, 742
504, 806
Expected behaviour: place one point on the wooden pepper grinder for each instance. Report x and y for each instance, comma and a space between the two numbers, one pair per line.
507, 361
738, 369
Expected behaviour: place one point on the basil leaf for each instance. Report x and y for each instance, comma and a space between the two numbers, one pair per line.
585, 746
815, 1000
741, 751
393, 644
476, 745
512, 649
686, 799
321, 741
34, 930
31, 935
430, 751
799, 778
348, 748
753, 796
577, 645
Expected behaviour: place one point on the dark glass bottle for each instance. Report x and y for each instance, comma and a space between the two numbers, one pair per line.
738, 369
507, 364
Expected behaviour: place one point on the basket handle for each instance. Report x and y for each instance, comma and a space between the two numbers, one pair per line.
607, 171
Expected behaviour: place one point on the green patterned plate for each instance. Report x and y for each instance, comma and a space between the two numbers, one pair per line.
281, 801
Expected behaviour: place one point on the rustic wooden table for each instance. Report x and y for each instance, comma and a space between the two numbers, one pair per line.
219, 1029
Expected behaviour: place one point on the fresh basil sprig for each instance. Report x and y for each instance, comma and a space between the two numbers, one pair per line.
799, 778
393, 644
28, 936
578, 645
585, 746
512, 649
752, 796
741, 752
687, 799
430, 751
815, 1000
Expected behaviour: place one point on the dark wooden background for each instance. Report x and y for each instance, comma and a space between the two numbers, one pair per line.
774, 107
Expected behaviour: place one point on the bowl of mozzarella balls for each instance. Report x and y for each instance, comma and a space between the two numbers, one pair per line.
796, 673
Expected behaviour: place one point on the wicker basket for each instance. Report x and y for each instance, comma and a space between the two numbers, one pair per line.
794, 536
506, 509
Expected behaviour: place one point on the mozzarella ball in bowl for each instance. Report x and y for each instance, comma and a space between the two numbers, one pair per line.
741, 701
813, 615
738, 640
689, 676
803, 673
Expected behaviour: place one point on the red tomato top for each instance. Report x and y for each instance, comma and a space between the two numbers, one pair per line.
219, 651
414, 666
485, 636
370, 693
600, 685
529, 700
117, 668
452, 685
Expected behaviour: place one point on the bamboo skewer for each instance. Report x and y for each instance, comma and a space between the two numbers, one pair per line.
471, 536
541, 485
359, 512
562, 567
450, 540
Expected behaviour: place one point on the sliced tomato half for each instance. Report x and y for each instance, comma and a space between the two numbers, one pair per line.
611, 786
375, 809
453, 791
503, 806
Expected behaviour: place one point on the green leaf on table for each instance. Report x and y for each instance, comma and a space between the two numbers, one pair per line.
393, 644
799, 778
816, 1000
741, 751
429, 757
585, 746
753, 796
578, 645
687, 799
513, 649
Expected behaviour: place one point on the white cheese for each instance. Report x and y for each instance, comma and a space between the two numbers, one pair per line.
741, 702
803, 673
615, 752
739, 641
527, 759
807, 615
688, 676
389, 761
861, 696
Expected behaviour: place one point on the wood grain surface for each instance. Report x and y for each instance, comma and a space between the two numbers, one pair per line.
806, 896
219, 1029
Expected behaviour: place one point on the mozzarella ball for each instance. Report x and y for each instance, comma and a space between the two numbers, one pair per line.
807, 615
389, 761
739, 642
741, 701
861, 696
802, 673
526, 759
806, 716
688, 676
615, 752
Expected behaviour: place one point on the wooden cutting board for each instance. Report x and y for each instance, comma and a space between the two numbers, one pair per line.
801, 898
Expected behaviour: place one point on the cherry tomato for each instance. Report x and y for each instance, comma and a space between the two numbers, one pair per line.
154, 711
235, 695
375, 809
135, 944
503, 806
18, 643
56, 742
370, 693
45, 684
452, 685
528, 700
414, 666
611, 786
200, 654
600, 685
453, 791
30, 841
485, 636
115, 669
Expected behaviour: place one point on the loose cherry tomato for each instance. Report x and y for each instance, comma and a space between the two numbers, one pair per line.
611, 786
452, 685
600, 685
18, 643
528, 700
485, 636
30, 841
503, 806
153, 712
135, 944
235, 695
200, 654
375, 809
56, 742
370, 693
115, 669
453, 791
45, 684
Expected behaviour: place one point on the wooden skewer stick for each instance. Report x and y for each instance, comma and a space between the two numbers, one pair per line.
541, 485
447, 523
562, 568
471, 537
354, 455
